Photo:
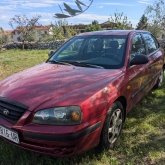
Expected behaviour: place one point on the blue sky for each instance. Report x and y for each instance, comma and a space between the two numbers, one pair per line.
100, 10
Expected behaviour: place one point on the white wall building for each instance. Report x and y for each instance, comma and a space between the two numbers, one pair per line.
14, 35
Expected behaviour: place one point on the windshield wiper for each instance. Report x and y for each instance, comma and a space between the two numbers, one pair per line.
59, 62
95, 66
78, 63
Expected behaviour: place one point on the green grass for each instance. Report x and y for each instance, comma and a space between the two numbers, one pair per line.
13, 61
142, 141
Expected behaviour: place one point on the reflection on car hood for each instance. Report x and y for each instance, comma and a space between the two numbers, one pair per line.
46, 81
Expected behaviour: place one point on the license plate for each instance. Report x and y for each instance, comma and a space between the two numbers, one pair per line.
9, 134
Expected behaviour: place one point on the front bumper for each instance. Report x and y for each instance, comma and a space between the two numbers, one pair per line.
55, 141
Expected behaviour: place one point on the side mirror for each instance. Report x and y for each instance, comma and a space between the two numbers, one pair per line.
139, 59
51, 52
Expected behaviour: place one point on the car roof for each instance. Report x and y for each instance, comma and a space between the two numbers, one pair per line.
110, 32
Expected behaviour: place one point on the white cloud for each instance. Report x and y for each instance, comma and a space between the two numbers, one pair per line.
117, 4
100, 7
87, 18
147, 2
35, 5
5, 8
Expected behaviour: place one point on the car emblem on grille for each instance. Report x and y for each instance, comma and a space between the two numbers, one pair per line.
6, 112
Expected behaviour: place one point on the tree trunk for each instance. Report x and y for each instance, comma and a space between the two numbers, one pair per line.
23, 44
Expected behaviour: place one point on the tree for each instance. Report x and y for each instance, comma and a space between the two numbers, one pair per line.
25, 27
143, 23
119, 21
95, 22
156, 16
61, 30
93, 27
3, 37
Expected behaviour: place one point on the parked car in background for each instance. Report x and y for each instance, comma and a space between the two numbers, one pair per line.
80, 96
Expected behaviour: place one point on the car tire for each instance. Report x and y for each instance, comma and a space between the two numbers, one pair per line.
159, 82
112, 126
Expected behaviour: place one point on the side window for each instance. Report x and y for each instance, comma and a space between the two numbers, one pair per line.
151, 42
137, 46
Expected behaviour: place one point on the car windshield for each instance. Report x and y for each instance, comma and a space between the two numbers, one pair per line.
92, 51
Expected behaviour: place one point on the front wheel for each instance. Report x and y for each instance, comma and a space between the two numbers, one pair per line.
112, 126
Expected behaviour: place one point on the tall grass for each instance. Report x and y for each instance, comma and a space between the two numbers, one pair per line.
141, 142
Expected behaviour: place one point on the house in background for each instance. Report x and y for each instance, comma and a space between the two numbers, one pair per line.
9, 34
14, 35
41, 31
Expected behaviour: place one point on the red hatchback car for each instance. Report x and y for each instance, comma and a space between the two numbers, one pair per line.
81, 95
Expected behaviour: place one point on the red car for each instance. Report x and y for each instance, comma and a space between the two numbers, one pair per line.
80, 97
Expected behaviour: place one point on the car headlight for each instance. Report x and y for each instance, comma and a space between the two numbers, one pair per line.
59, 116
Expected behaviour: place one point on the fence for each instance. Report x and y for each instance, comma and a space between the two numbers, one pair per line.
46, 45
34, 45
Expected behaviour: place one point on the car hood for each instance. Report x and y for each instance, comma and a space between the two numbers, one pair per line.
46, 81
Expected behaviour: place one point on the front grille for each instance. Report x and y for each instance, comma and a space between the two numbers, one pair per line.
11, 110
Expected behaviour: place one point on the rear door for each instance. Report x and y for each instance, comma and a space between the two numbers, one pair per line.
154, 55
